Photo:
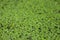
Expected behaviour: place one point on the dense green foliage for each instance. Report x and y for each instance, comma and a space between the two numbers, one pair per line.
29, 19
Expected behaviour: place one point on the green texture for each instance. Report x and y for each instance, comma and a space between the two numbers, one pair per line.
29, 19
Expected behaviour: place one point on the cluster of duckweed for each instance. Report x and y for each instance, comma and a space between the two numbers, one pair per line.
29, 19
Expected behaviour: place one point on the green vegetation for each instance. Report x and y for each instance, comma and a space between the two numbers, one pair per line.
29, 19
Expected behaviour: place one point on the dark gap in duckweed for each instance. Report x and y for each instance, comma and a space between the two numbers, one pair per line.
58, 11
59, 28
23, 19
33, 28
55, 0
36, 22
54, 38
5, 31
13, 31
39, 13
21, 0
18, 33
56, 26
28, 31
26, 34
58, 33
1, 35
7, 34
20, 25
1, 0
39, 29
53, 17
5, 4
57, 19
2, 29
8, 27
8, 1
29, 38
20, 36
42, 19
2, 7
49, 29
44, 37
11, 39
1, 25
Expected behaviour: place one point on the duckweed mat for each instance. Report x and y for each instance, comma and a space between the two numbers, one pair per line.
29, 19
